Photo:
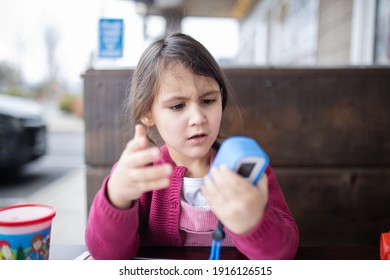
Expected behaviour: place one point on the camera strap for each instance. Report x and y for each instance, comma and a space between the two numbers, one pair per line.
218, 236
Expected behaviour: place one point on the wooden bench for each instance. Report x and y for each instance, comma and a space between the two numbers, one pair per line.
326, 130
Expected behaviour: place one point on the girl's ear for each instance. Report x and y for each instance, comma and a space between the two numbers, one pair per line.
147, 120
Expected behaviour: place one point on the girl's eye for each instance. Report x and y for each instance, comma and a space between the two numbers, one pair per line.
177, 107
208, 101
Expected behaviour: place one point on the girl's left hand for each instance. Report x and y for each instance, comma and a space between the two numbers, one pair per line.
237, 203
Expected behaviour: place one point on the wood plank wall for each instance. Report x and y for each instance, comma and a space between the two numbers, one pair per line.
334, 32
326, 132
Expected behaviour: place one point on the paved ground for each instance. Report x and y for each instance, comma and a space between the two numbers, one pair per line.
59, 121
67, 194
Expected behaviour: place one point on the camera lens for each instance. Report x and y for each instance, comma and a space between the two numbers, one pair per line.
246, 169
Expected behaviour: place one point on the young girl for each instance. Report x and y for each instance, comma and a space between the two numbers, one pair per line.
163, 196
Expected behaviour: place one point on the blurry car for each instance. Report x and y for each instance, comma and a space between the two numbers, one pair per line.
23, 134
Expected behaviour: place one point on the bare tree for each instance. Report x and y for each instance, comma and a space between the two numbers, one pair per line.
52, 37
9, 75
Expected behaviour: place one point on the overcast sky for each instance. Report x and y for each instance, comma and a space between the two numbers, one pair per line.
23, 23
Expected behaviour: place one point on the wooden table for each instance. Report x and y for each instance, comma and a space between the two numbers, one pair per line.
230, 253
69, 252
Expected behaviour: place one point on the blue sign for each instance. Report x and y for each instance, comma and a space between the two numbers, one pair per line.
111, 38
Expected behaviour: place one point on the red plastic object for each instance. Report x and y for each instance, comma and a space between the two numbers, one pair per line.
385, 246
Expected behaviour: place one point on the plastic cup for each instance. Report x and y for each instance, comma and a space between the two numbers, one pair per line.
25, 231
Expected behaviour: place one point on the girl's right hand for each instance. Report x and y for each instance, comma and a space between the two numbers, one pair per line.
133, 175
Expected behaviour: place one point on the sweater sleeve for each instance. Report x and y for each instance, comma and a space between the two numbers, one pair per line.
276, 236
112, 233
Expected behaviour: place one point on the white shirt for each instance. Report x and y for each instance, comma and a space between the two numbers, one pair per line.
191, 193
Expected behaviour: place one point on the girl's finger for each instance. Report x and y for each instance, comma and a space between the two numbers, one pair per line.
141, 158
139, 142
150, 173
262, 186
147, 186
214, 197
228, 183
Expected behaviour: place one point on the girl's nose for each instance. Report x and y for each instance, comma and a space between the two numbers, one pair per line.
197, 116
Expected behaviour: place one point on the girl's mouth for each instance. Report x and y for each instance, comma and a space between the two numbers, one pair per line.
198, 138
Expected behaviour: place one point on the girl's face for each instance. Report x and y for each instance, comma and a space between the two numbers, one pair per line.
187, 112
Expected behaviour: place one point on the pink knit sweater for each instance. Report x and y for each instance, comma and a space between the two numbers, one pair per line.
197, 226
154, 219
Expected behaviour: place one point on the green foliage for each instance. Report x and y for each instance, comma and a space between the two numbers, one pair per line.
72, 104
66, 103
14, 91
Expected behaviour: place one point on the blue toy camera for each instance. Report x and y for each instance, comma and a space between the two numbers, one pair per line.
244, 156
